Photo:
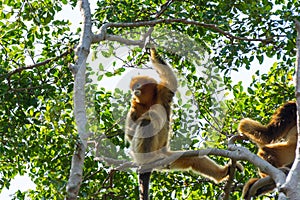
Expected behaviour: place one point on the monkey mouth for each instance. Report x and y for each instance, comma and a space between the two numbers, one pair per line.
137, 92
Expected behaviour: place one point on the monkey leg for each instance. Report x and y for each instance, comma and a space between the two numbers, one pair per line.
246, 195
202, 165
257, 186
278, 154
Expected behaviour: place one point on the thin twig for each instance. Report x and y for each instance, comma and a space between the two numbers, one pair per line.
163, 8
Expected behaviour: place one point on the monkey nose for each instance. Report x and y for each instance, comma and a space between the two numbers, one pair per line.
137, 92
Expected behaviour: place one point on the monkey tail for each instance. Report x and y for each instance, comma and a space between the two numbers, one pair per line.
144, 182
257, 186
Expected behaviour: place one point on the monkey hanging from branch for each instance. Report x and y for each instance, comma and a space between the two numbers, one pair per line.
276, 143
148, 127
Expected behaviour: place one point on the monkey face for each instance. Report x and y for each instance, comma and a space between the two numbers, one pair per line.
137, 92
143, 88
145, 93
136, 89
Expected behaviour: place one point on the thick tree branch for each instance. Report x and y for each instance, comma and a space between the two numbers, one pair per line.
292, 186
104, 36
235, 153
82, 53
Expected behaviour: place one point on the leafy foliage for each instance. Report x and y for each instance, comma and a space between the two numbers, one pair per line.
37, 126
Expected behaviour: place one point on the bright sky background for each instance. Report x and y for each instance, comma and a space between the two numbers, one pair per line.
24, 183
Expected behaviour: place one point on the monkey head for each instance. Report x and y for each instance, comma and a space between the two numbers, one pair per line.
143, 88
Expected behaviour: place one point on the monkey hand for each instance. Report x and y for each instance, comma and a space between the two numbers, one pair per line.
156, 117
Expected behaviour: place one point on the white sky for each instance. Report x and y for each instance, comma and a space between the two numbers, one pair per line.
24, 183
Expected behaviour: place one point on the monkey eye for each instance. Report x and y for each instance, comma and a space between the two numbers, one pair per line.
137, 85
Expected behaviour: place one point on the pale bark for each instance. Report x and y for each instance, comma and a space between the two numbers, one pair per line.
234, 152
292, 186
82, 53
104, 36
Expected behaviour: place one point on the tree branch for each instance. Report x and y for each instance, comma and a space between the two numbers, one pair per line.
104, 36
121, 164
227, 188
163, 8
235, 153
8, 75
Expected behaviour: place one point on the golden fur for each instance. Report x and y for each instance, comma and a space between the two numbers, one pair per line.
276, 141
148, 123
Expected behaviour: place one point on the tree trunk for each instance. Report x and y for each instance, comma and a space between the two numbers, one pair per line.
292, 185
79, 70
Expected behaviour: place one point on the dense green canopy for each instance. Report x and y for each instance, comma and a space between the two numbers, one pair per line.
205, 42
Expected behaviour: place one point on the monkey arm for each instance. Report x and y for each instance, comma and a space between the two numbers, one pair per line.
130, 127
255, 131
147, 125
153, 121
281, 124
166, 74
